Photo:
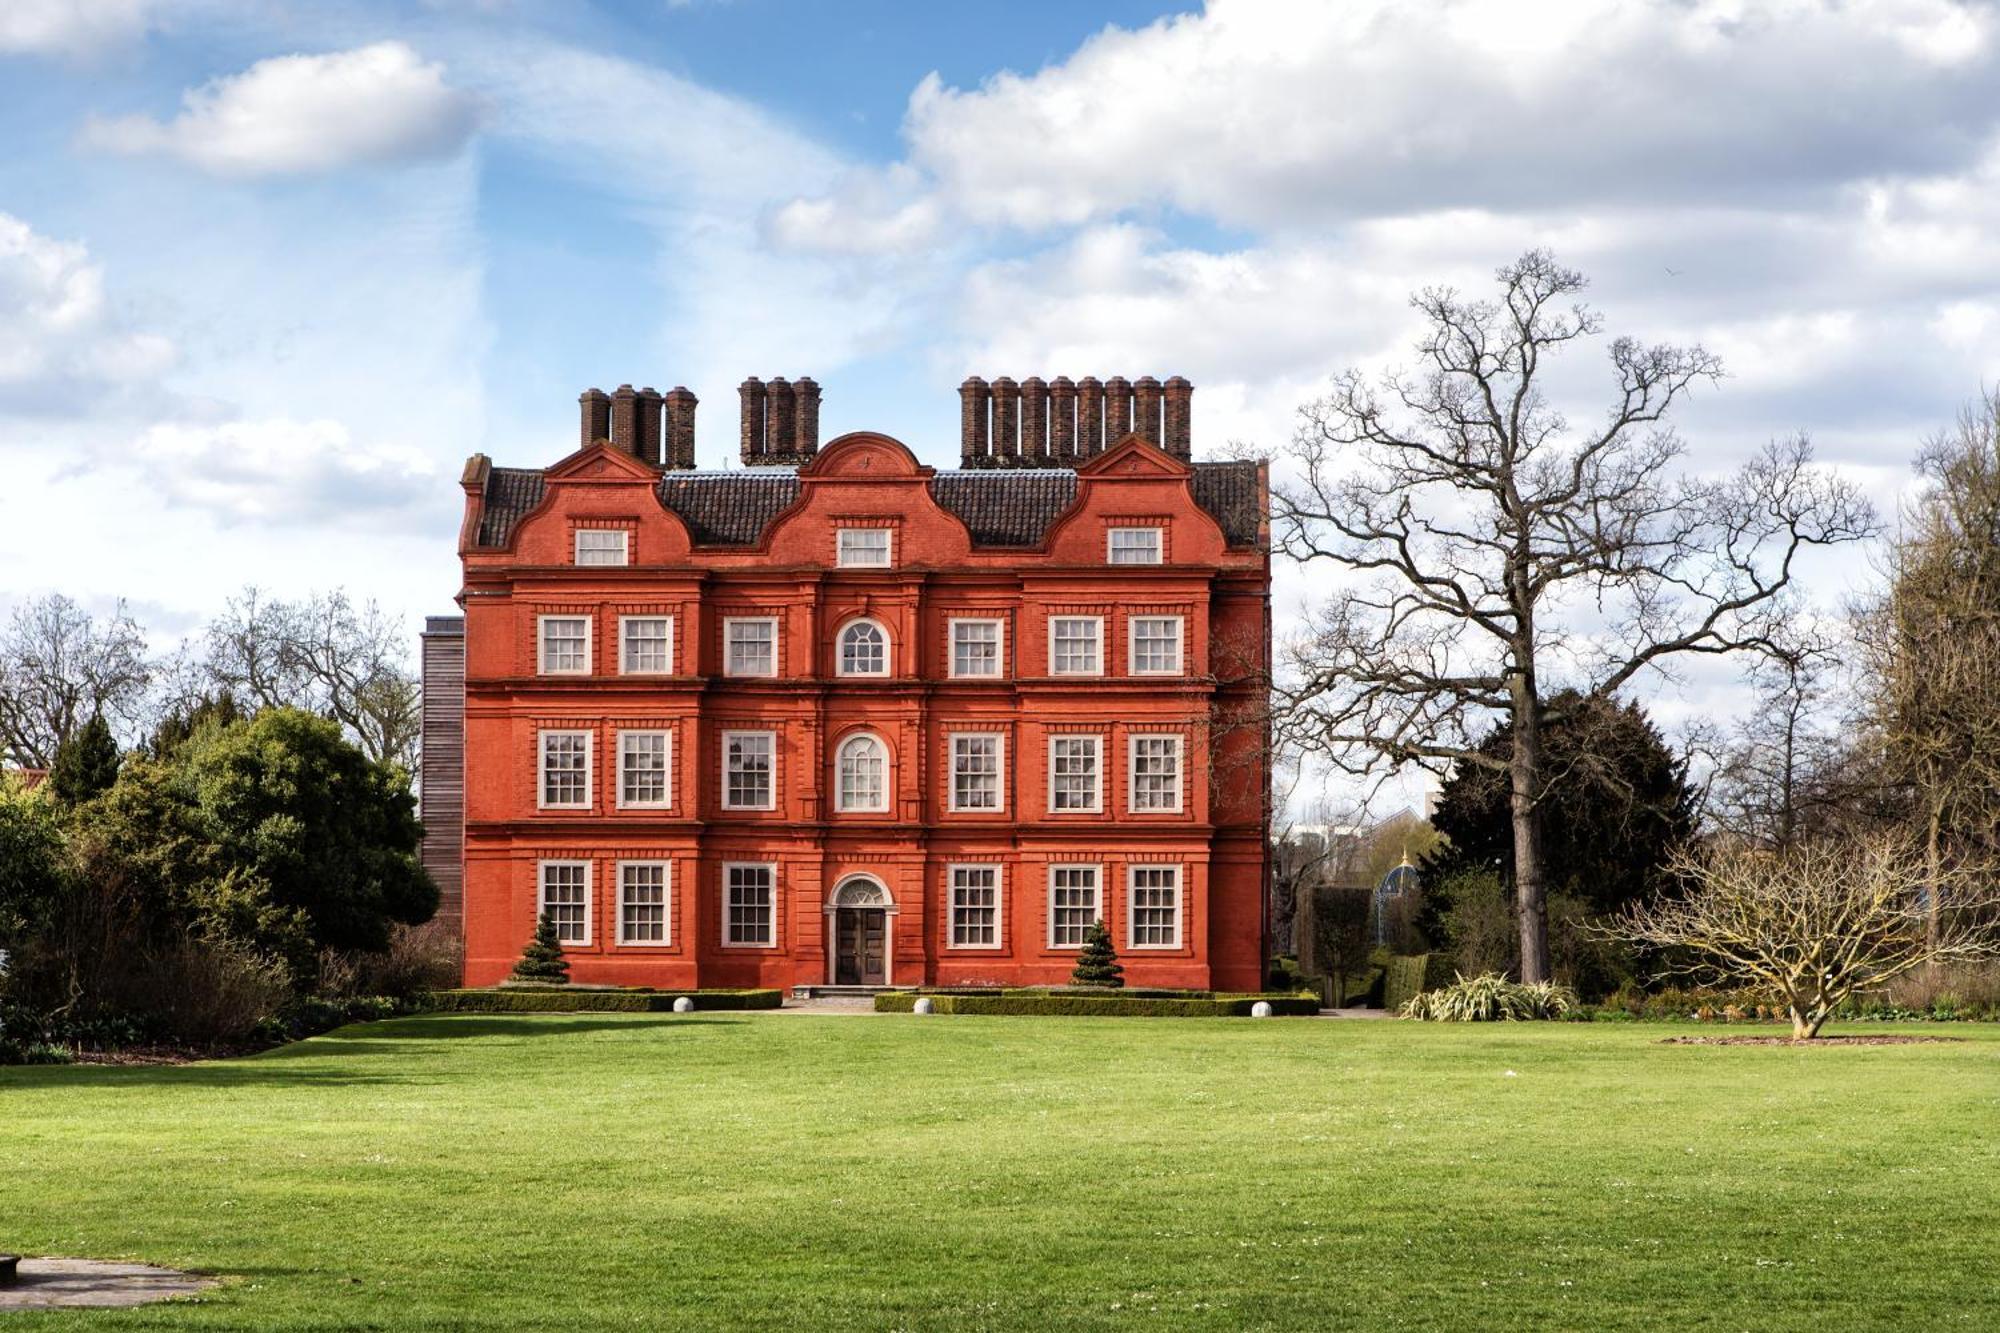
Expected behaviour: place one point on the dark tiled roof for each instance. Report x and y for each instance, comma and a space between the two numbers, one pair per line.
728, 508
1229, 492
1000, 508
510, 493
1012, 508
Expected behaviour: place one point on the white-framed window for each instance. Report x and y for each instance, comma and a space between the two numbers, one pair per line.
977, 763
645, 770
863, 548
1076, 773
1156, 774
1134, 546
975, 907
603, 546
975, 647
864, 649
750, 646
1076, 645
749, 770
749, 906
563, 894
1156, 645
644, 916
565, 770
646, 645
564, 645
1073, 905
864, 774
1154, 907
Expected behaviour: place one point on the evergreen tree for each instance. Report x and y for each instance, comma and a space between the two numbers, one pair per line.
1098, 964
86, 764
543, 959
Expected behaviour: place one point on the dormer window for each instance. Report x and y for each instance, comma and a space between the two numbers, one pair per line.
863, 548
603, 546
1135, 546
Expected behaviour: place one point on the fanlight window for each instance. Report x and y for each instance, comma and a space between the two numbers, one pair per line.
864, 768
860, 893
864, 650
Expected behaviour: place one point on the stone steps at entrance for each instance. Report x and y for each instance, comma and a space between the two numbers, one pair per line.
842, 992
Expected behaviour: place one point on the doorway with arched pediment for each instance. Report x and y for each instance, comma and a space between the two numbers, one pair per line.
858, 913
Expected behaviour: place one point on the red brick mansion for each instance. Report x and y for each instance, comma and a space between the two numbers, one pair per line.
839, 718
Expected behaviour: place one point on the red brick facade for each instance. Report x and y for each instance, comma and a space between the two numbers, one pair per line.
736, 761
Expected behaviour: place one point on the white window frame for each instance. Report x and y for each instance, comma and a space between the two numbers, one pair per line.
625, 667
1097, 899
951, 888
840, 804
999, 624
768, 735
542, 667
729, 623
1132, 668
1111, 544
1132, 805
999, 739
1098, 669
589, 892
770, 869
1097, 798
667, 774
1132, 873
624, 548
542, 737
840, 649
842, 555
666, 939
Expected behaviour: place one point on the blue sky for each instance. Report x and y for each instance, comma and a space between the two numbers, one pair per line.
271, 269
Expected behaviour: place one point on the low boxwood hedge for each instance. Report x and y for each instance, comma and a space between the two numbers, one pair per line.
560, 1000
1071, 1004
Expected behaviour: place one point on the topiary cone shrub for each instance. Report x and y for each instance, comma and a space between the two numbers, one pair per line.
1098, 964
543, 959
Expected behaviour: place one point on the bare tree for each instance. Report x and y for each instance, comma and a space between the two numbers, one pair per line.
59, 667
1503, 552
326, 655
1787, 772
1817, 922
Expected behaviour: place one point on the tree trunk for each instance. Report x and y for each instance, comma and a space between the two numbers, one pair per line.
1530, 893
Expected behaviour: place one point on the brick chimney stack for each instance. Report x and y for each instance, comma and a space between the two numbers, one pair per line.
1146, 410
974, 445
625, 419
780, 421
1178, 439
596, 413
680, 405
1065, 422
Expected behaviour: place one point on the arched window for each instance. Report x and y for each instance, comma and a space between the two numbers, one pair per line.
864, 774
864, 650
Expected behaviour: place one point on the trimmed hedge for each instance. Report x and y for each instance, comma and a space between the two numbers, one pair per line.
1072, 1005
561, 1000
1407, 976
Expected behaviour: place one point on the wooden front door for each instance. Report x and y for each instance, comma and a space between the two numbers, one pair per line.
861, 936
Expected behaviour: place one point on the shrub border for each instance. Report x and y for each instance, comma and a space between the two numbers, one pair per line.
1070, 1005
557, 1000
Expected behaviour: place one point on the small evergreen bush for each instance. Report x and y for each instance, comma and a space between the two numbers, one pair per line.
1098, 964
543, 959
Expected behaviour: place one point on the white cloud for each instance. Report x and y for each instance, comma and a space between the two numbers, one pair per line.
63, 348
280, 471
1274, 116
72, 27
300, 114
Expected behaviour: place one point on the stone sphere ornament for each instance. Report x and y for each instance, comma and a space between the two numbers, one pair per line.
684, 1005
1261, 1009
925, 1006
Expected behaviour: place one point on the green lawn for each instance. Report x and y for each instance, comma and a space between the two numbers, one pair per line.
790, 1172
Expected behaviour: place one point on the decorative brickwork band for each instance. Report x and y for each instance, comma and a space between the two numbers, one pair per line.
1064, 422
780, 421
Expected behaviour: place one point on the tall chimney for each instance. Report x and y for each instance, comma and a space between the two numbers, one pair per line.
974, 446
1006, 421
752, 439
1062, 420
679, 446
805, 418
1117, 410
625, 418
1034, 422
648, 444
778, 416
1089, 417
1146, 409
1179, 439
596, 413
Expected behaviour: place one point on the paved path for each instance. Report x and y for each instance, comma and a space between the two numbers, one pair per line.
47, 1283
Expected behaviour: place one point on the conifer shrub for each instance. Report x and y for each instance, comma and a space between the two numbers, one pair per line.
543, 959
1098, 964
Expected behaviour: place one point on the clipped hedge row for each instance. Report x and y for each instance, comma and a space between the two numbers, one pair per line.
558, 1000
1069, 1005
1406, 976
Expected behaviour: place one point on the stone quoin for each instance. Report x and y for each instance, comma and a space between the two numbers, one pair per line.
839, 718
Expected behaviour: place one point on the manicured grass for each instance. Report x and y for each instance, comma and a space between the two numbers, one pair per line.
784, 1171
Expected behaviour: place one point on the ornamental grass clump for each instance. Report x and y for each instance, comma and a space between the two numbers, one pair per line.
1491, 998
